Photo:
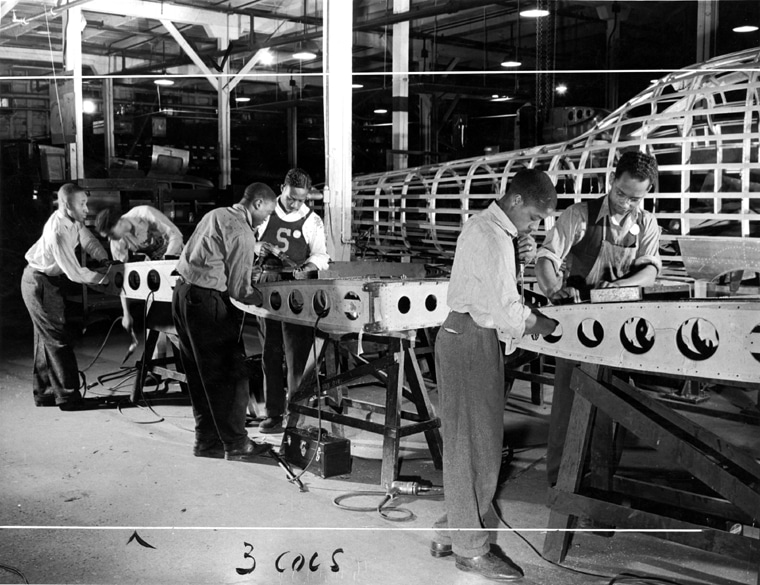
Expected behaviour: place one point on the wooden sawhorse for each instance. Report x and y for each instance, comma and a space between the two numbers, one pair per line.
158, 321
587, 484
398, 369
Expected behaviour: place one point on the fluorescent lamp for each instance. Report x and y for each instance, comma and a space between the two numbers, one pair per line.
746, 28
534, 13
381, 111
510, 62
357, 85
305, 56
241, 99
163, 81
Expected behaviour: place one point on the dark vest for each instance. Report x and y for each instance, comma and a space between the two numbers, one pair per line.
288, 237
585, 252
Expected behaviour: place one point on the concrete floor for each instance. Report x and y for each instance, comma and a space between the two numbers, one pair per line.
116, 496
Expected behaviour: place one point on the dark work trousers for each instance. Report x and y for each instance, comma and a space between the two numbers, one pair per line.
562, 404
280, 341
55, 374
214, 362
469, 362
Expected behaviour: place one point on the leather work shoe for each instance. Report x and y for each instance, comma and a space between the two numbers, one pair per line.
210, 450
489, 566
439, 549
247, 452
271, 425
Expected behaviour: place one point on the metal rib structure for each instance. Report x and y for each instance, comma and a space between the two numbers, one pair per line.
701, 123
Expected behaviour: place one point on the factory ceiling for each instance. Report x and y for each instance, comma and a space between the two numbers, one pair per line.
456, 46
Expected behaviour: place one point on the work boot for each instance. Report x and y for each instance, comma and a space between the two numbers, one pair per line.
271, 425
489, 566
439, 549
248, 451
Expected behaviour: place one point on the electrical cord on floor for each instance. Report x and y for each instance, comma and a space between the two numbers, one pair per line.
619, 578
641, 579
141, 374
13, 570
82, 374
398, 488
317, 366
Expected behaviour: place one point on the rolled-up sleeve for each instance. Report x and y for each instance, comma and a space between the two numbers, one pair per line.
568, 230
314, 233
65, 257
649, 245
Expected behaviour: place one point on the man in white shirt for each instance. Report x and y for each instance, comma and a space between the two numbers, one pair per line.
56, 373
487, 317
298, 233
141, 230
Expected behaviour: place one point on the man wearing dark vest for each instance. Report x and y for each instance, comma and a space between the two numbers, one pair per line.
607, 242
299, 234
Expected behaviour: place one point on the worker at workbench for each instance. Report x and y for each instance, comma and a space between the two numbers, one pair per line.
487, 318
141, 230
298, 234
216, 265
56, 373
608, 242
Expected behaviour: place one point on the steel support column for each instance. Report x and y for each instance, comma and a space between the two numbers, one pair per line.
338, 18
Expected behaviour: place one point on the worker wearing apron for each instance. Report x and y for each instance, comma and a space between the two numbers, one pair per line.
608, 242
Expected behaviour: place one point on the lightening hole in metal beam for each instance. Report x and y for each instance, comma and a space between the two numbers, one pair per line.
134, 280
431, 303
295, 301
351, 302
555, 335
154, 280
637, 335
697, 339
404, 305
590, 332
275, 301
321, 304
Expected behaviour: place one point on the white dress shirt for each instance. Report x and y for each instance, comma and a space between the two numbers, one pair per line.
149, 230
483, 279
55, 252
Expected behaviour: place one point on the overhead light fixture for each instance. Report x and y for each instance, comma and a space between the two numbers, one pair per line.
500, 98
242, 98
89, 107
357, 85
381, 111
266, 57
561, 89
305, 56
165, 81
307, 51
534, 12
745, 28
511, 61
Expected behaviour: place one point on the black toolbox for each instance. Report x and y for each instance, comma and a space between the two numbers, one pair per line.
324, 454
